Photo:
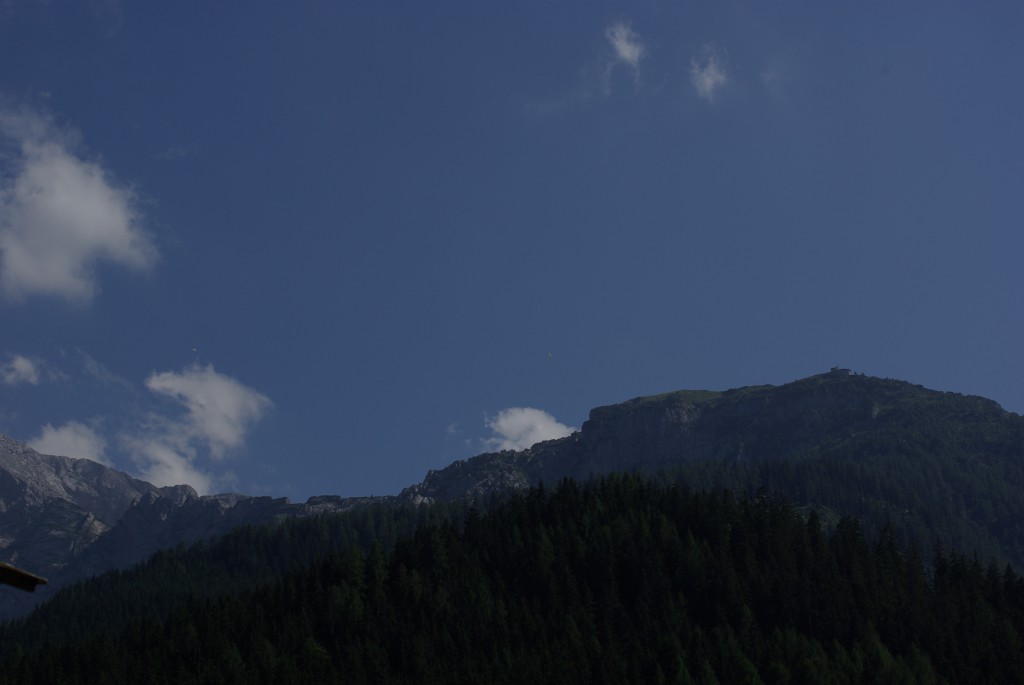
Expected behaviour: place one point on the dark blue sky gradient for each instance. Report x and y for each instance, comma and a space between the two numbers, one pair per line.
395, 220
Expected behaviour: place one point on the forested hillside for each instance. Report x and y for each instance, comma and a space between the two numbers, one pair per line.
247, 558
616, 581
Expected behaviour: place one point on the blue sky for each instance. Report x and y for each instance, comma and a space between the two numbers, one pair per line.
321, 247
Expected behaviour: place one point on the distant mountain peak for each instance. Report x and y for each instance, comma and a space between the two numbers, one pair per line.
753, 422
28, 478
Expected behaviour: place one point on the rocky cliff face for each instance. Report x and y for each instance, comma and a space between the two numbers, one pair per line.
753, 423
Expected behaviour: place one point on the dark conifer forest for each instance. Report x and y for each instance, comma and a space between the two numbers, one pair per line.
620, 580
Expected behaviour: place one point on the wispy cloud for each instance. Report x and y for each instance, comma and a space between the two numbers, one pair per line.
61, 215
218, 411
73, 439
518, 428
181, 432
111, 12
176, 152
20, 369
780, 74
92, 368
595, 80
577, 97
709, 72
628, 46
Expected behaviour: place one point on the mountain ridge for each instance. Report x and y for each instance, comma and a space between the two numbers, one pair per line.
753, 422
67, 518
883, 436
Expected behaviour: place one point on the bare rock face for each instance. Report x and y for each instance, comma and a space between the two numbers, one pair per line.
28, 478
52, 508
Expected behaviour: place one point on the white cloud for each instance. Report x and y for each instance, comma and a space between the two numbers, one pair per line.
73, 439
517, 428
60, 215
218, 413
20, 369
196, 418
708, 74
164, 463
220, 409
627, 44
